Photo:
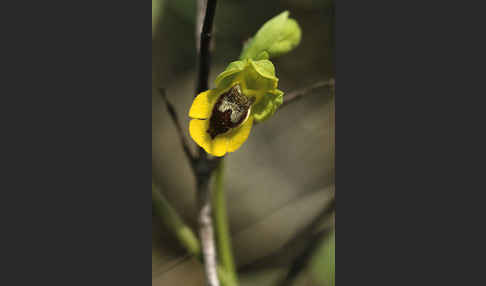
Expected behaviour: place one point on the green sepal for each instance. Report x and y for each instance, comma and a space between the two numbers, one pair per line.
267, 106
228, 76
255, 75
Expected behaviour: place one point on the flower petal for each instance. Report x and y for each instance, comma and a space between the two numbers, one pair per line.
266, 107
203, 104
238, 136
198, 130
219, 146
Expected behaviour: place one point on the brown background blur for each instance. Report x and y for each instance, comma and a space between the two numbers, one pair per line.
279, 179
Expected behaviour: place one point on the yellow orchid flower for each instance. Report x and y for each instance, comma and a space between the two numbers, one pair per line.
246, 92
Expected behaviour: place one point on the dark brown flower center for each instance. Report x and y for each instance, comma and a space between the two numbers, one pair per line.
230, 111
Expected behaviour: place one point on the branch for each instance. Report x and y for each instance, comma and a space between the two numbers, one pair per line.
201, 11
205, 26
175, 119
204, 166
202, 170
205, 41
298, 94
206, 231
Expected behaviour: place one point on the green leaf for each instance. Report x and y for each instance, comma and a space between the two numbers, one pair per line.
276, 37
323, 264
157, 9
184, 10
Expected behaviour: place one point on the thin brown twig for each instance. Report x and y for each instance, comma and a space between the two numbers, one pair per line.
201, 11
175, 119
205, 166
304, 235
203, 49
204, 52
298, 94
303, 259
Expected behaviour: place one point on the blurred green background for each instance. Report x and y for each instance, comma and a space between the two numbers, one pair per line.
281, 178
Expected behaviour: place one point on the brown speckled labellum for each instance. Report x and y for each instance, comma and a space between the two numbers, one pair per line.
230, 111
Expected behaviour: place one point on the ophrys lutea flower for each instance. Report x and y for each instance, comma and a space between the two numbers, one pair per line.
246, 92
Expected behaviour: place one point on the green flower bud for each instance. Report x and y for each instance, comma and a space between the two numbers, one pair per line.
276, 37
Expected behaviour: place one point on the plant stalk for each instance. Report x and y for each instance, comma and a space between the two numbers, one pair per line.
220, 217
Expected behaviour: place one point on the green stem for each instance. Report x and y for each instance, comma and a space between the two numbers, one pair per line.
175, 224
221, 224
226, 278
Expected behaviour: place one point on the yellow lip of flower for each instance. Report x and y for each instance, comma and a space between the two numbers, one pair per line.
221, 144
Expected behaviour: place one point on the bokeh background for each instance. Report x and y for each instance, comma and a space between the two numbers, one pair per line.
282, 177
